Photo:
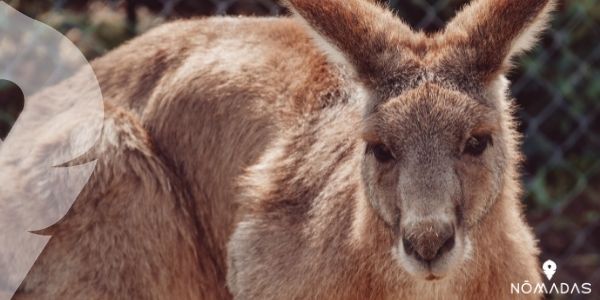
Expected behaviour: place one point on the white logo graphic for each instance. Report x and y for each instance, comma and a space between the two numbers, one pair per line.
550, 288
549, 268
40, 173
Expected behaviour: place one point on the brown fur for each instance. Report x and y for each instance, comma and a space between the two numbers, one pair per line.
289, 105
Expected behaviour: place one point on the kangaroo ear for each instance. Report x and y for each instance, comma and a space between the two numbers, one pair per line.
487, 34
355, 33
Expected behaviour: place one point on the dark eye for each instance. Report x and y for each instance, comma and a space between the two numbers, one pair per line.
381, 152
476, 145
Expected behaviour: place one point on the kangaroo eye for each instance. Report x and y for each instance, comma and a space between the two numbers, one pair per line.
476, 145
381, 153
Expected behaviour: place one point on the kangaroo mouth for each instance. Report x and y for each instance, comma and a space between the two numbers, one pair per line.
432, 277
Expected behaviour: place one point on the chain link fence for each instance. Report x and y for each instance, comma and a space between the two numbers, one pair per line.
557, 87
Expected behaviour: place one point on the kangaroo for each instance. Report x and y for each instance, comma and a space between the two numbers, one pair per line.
337, 154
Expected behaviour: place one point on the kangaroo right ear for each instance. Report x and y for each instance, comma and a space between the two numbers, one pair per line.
358, 34
487, 34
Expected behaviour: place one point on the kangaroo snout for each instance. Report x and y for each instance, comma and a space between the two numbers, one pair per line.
428, 242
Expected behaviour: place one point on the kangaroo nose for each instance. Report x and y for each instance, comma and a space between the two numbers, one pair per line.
429, 245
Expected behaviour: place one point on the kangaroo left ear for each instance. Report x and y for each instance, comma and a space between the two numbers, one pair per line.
359, 34
487, 34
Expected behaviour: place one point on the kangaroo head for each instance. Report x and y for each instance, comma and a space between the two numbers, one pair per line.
439, 142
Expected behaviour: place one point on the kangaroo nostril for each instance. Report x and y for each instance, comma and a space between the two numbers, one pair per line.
447, 246
408, 247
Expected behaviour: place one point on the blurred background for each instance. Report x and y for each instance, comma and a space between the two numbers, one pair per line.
557, 87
